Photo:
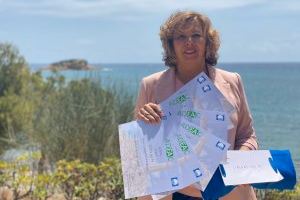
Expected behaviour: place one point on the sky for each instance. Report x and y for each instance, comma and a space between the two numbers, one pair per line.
126, 31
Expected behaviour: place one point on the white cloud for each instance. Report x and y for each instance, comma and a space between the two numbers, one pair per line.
291, 5
129, 9
90, 8
271, 48
275, 46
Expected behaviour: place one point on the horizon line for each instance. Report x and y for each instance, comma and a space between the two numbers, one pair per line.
225, 62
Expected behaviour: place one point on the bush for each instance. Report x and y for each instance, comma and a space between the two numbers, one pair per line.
111, 176
79, 120
73, 179
21, 177
88, 181
279, 195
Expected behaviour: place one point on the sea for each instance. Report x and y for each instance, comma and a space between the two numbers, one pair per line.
272, 90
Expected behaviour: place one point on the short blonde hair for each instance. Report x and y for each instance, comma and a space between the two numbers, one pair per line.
177, 20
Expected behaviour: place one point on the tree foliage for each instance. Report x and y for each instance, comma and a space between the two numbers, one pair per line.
19, 96
79, 121
67, 120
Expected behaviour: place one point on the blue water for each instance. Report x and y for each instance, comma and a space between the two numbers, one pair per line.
272, 89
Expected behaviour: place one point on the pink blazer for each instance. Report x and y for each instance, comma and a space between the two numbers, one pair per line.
159, 86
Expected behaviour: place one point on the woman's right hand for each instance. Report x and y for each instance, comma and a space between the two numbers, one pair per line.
150, 113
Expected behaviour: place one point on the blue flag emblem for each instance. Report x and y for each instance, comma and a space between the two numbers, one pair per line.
220, 117
220, 145
206, 88
201, 79
174, 181
197, 172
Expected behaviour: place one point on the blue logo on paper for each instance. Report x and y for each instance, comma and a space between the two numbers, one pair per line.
201, 79
174, 181
165, 117
206, 88
197, 172
220, 145
220, 117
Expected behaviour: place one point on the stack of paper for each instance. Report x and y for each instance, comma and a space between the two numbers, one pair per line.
186, 147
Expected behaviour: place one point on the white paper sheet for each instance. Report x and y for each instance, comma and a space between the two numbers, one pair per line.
246, 167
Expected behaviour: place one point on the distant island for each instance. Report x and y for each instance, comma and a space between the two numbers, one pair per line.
71, 64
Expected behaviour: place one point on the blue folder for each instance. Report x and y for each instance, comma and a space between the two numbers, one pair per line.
281, 161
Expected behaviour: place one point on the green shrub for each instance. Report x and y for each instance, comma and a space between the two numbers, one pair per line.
89, 181
111, 176
19, 175
73, 179
79, 120
279, 195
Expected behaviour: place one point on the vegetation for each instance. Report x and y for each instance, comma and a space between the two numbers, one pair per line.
78, 121
18, 96
74, 120
279, 195
72, 180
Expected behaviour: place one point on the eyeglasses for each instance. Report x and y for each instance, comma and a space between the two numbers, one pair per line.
195, 37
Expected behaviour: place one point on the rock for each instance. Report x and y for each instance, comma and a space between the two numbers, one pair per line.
6, 194
72, 64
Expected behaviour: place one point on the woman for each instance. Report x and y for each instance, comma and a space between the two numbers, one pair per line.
190, 47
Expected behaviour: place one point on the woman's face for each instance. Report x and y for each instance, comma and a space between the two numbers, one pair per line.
189, 45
